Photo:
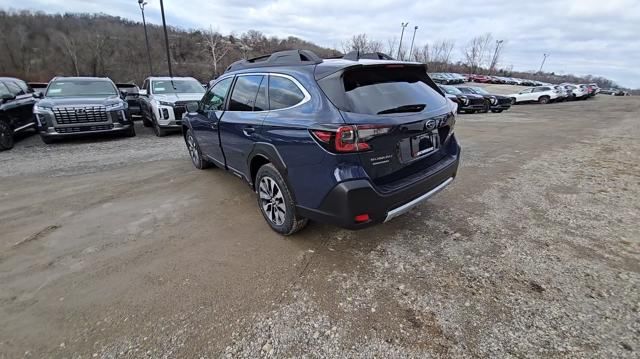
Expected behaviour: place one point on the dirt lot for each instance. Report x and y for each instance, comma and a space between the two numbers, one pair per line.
120, 248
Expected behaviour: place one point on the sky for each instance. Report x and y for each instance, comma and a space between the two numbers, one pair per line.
598, 37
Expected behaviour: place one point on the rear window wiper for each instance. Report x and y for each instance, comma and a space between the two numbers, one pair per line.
404, 108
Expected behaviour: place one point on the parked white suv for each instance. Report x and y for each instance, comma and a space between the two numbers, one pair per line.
540, 94
163, 101
577, 91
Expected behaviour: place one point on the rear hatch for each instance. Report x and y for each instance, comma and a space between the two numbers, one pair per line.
399, 118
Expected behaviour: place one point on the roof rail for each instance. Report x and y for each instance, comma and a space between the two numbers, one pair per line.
280, 58
356, 55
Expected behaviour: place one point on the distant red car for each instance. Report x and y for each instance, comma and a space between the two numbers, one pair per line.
479, 78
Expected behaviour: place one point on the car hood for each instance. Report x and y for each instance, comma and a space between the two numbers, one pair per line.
175, 97
79, 101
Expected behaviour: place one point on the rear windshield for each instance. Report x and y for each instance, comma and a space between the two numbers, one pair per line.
81, 88
382, 90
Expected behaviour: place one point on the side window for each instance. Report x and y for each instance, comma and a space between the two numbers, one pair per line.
262, 103
4, 91
214, 99
245, 92
283, 93
23, 85
527, 91
13, 88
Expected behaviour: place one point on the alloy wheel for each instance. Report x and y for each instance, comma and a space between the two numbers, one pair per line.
193, 150
272, 201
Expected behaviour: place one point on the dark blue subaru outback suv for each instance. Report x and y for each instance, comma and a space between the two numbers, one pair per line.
351, 141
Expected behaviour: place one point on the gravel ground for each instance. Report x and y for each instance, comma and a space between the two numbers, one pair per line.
90, 154
534, 251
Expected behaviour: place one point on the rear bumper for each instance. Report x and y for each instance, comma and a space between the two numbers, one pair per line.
352, 198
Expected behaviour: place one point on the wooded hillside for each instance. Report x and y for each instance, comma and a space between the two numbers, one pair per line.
37, 47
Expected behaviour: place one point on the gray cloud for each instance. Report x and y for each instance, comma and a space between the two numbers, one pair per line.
582, 36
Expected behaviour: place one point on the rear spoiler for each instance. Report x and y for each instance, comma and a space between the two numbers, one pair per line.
322, 73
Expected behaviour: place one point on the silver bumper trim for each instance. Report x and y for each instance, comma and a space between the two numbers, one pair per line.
409, 205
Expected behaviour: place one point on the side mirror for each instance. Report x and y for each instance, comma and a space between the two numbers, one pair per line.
38, 94
124, 94
142, 92
193, 106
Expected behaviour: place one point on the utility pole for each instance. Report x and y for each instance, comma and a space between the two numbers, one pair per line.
166, 38
543, 60
404, 24
412, 40
495, 56
142, 4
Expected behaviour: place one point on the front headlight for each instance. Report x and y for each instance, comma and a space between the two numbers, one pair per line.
116, 106
464, 99
164, 103
41, 109
493, 100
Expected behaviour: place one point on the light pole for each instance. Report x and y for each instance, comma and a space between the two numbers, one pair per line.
495, 56
543, 60
166, 38
412, 40
404, 24
142, 4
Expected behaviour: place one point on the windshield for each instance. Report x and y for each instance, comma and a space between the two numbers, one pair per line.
451, 90
81, 88
480, 90
176, 86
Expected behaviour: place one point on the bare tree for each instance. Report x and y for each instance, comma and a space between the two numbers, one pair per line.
70, 47
441, 53
361, 44
392, 46
475, 51
216, 46
422, 54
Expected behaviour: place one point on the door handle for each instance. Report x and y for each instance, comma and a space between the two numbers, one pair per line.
248, 131
214, 125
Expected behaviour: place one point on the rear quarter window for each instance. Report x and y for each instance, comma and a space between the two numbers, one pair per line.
283, 93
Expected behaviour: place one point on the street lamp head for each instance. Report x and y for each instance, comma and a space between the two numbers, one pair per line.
415, 28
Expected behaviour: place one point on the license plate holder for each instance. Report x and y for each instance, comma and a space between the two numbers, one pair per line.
424, 144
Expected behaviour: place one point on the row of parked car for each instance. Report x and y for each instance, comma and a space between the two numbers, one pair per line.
69, 106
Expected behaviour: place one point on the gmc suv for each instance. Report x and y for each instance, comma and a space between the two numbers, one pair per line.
82, 105
347, 142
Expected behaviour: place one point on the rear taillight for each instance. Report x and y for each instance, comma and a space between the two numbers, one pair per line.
347, 139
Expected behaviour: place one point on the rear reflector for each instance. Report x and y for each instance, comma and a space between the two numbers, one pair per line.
361, 218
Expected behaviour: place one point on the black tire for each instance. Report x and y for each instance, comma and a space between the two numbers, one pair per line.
130, 132
487, 107
543, 100
159, 131
47, 140
276, 202
6, 136
194, 152
146, 122
496, 111
513, 101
